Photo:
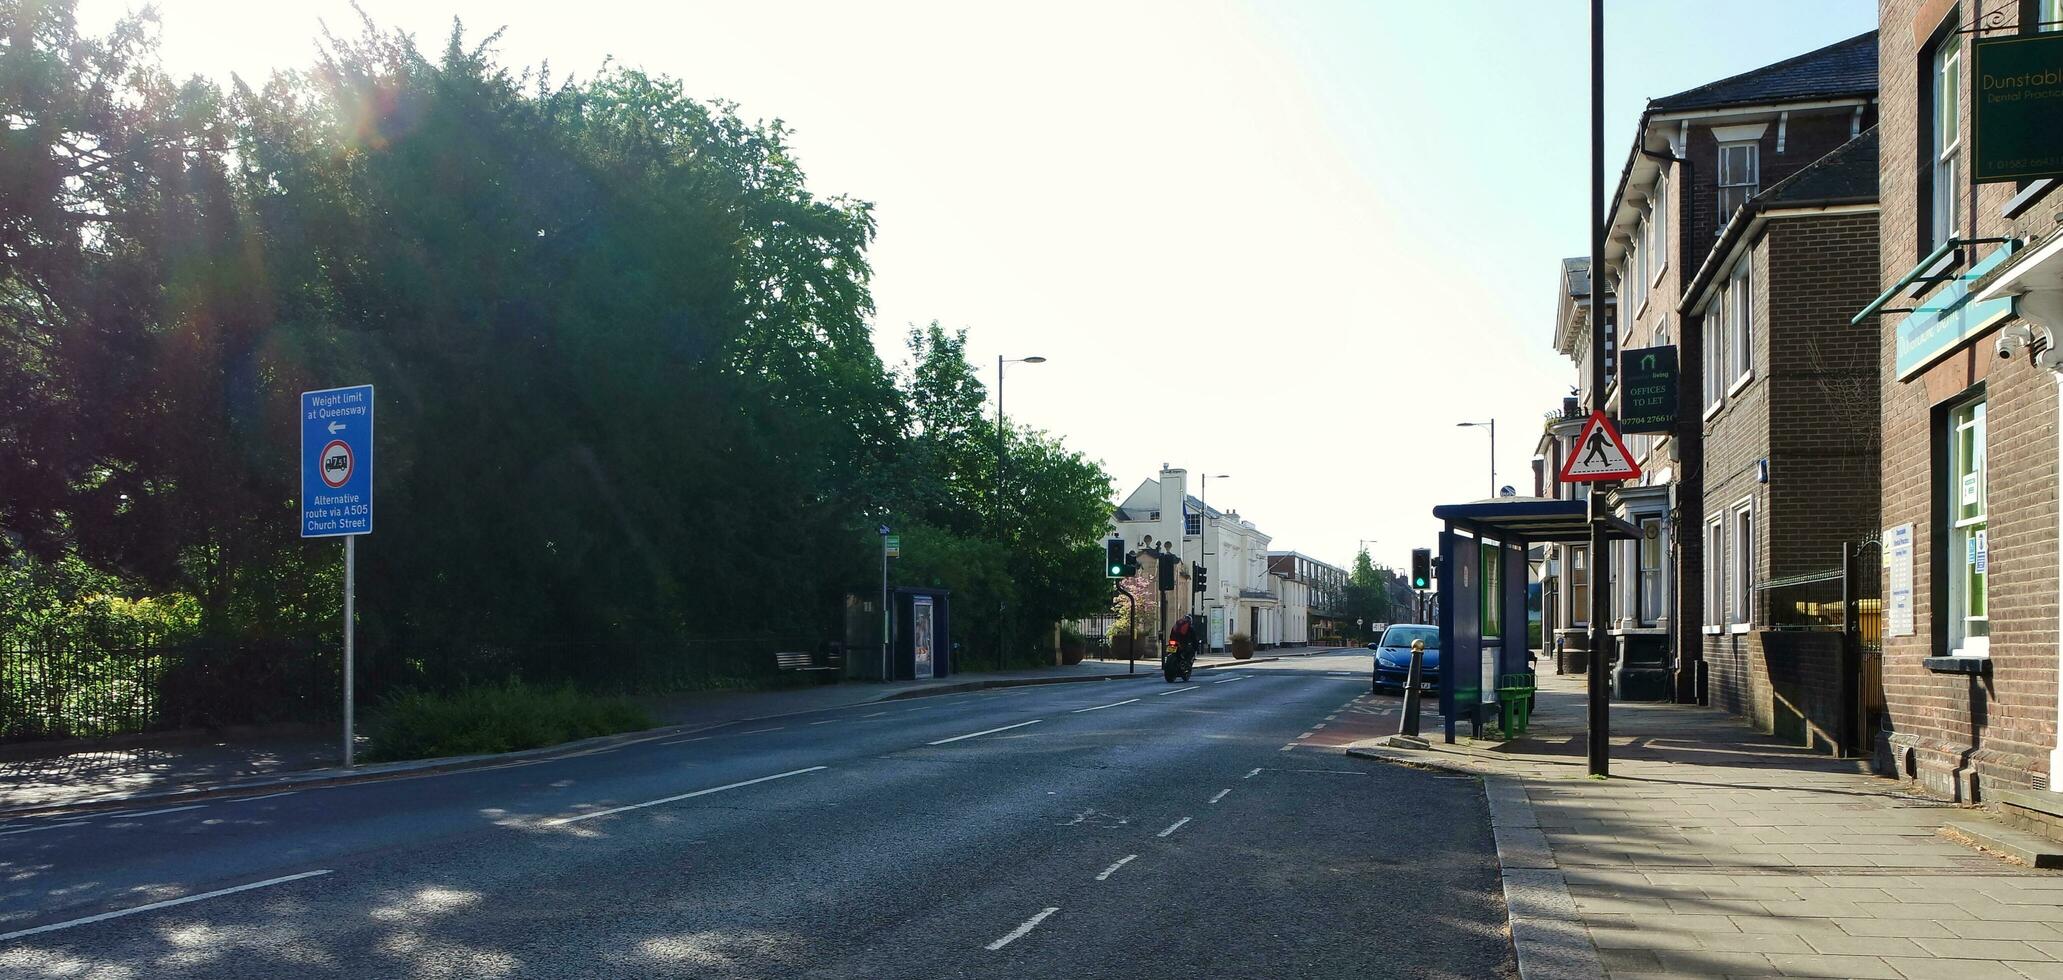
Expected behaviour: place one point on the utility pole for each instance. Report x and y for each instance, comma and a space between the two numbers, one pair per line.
1002, 524
1600, 558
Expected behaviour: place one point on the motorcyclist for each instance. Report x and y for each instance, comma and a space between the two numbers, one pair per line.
1183, 642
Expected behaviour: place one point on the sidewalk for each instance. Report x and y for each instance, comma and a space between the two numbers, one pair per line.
149, 766
1714, 851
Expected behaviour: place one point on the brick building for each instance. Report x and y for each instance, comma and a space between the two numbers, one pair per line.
1970, 273
1790, 448
1697, 157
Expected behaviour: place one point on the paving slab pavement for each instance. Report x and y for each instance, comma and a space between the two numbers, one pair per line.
1713, 851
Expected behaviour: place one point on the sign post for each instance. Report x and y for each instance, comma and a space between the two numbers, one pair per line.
336, 498
889, 542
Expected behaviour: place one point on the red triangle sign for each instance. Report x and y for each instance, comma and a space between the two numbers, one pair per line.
1599, 454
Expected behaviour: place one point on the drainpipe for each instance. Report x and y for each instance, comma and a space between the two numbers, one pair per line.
1688, 485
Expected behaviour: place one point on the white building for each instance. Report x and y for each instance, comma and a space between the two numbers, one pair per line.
1238, 596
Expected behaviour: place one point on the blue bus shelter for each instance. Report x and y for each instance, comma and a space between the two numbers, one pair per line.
1483, 592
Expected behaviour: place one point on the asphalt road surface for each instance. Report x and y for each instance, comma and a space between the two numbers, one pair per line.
1121, 829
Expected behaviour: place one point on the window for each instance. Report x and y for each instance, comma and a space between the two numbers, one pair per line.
1579, 586
1636, 273
1658, 246
1740, 315
1650, 598
1715, 351
1192, 524
1740, 176
1968, 555
2049, 15
1945, 95
1662, 324
1743, 567
1715, 575
1493, 590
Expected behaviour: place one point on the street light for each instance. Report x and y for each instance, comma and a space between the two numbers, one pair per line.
1492, 424
1002, 526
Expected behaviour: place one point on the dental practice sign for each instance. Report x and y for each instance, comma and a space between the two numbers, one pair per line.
2016, 120
336, 462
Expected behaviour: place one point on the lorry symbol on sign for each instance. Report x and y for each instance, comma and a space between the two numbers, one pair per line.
336, 464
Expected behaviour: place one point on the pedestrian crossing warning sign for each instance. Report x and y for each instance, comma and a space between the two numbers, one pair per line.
1599, 454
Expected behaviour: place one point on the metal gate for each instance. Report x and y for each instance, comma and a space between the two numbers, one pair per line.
1862, 605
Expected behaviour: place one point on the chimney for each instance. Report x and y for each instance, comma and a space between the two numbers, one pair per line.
1174, 494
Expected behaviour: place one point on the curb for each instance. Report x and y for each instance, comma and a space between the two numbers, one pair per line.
382, 771
1547, 935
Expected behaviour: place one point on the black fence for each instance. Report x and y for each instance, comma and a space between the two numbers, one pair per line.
58, 685
66, 685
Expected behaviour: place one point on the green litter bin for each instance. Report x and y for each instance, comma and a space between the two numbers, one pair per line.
1515, 698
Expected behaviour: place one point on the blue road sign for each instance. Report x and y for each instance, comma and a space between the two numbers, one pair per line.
336, 462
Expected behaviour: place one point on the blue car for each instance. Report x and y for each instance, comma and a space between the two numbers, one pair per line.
1393, 656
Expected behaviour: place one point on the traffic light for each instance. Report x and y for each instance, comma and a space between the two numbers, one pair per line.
1421, 568
1167, 573
1203, 577
1131, 563
1114, 558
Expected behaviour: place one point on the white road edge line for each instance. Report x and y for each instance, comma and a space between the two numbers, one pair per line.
1177, 825
1100, 707
154, 906
1235, 677
1220, 796
1018, 933
762, 731
1178, 690
684, 741
1121, 862
268, 796
828, 721
1252, 774
31, 830
876, 714
562, 821
153, 813
991, 731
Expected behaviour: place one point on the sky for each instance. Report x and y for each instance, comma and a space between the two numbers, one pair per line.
1294, 242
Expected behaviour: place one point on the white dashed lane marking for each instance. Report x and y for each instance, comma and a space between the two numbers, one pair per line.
1019, 932
1121, 862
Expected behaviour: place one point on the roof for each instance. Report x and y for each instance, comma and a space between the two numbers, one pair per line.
1528, 519
1844, 68
1848, 175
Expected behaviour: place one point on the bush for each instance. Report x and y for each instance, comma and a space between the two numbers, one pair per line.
1241, 645
495, 718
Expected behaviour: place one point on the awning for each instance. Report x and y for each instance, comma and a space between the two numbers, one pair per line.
1530, 519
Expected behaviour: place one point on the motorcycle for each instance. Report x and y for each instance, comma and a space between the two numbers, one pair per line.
1177, 661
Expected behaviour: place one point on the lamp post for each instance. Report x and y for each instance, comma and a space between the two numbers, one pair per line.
1002, 525
1203, 530
1492, 425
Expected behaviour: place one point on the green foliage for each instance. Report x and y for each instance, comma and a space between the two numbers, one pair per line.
628, 392
494, 718
70, 599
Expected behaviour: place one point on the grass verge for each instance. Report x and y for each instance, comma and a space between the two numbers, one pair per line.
496, 718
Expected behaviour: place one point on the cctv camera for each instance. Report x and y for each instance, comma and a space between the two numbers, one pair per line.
2013, 340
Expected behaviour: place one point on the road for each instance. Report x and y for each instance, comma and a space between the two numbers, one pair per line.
1119, 829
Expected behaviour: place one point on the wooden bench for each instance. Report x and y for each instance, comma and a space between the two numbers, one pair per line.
828, 661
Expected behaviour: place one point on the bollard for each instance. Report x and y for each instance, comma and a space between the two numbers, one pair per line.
1408, 724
